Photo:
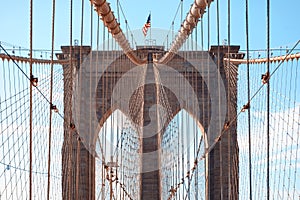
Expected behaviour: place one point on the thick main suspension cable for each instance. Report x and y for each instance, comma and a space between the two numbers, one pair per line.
104, 11
196, 12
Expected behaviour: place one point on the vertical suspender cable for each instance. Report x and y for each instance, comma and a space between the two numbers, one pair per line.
102, 110
91, 163
178, 155
196, 38
172, 30
219, 92
96, 69
195, 82
77, 168
207, 190
80, 78
249, 113
110, 131
30, 109
229, 107
183, 119
181, 12
268, 100
208, 27
70, 107
202, 36
118, 10
196, 125
51, 91
202, 82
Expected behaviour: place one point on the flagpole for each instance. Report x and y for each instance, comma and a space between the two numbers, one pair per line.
145, 35
151, 30
144, 41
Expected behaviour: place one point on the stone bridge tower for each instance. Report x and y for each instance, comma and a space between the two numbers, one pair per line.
222, 161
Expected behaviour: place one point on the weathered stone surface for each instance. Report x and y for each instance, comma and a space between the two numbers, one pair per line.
222, 160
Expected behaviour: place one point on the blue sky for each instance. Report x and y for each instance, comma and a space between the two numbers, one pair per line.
15, 21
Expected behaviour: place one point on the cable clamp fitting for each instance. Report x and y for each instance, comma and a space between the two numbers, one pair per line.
72, 126
265, 77
226, 125
245, 107
54, 108
34, 80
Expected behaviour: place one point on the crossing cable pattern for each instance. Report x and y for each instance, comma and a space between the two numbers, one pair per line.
284, 118
284, 88
181, 179
117, 146
121, 169
289, 101
51, 105
15, 130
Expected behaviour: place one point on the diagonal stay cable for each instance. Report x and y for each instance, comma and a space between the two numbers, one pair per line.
48, 101
278, 66
126, 21
172, 24
208, 150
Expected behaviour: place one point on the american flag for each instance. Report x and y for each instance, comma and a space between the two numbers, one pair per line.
147, 25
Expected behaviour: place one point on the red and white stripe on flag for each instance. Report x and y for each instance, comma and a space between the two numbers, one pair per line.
147, 25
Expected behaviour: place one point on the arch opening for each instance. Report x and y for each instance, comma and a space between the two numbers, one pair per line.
182, 145
117, 164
